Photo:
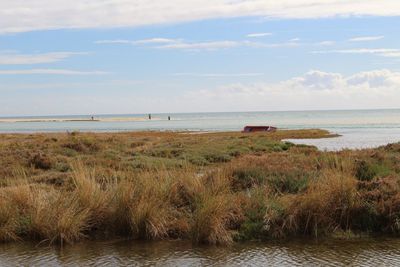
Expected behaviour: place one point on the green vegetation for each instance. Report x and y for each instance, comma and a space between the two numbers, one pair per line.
213, 188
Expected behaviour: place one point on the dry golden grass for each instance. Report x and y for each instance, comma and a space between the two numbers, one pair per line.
94, 196
212, 188
43, 213
216, 210
212, 218
143, 203
325, 206
8, 221
58, 217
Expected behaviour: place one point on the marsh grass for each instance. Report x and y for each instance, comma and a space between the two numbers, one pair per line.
325, 206
143, 204
212, 218
212, 189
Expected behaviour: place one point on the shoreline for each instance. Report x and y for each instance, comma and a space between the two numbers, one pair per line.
3, 120
331, 141
334, 237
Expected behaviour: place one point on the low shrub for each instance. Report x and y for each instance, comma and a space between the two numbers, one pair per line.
364, 171
41, 161
248, 177
216, 157
82, 144
288, 183
253, 226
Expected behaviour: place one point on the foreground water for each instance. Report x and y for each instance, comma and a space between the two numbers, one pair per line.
359, 129
360, 252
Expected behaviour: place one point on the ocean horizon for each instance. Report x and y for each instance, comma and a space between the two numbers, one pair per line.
105, 115
358, 128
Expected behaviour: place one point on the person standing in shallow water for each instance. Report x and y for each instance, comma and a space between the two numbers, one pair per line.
149, 116
169, 118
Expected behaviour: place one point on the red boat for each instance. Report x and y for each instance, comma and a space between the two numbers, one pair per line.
251, 129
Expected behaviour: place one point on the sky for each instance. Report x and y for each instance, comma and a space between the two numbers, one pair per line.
72, 57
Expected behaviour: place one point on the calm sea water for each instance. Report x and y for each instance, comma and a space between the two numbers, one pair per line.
359, 129
368, 252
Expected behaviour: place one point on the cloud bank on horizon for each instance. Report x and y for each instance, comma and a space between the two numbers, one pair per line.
139, 56
377, 89
326, 90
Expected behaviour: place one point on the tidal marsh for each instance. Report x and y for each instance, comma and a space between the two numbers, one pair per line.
213, 188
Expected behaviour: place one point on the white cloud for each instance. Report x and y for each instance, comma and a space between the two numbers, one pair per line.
13, 58
391, 54
219, 75
375, 79
256, 35
314, 90
118, 41
51, 72
384, 52
164, 43
156, 41
204, 45
96, 85
22, 15
216, 45
335, 81
366, 38
139, 42
318, 80
325, 43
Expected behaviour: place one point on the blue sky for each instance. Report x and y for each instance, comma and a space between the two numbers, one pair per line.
219, 60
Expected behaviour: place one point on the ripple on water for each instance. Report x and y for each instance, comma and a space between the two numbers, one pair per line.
362, 252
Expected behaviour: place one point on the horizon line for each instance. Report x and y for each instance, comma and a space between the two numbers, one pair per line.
201, 112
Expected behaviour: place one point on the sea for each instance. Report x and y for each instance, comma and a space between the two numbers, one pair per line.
358, 129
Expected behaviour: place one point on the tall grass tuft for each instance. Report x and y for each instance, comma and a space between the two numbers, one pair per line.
15, 208
217, 211
8, 221
58, 217
325, 207
94, 196
143, 206
212, 219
